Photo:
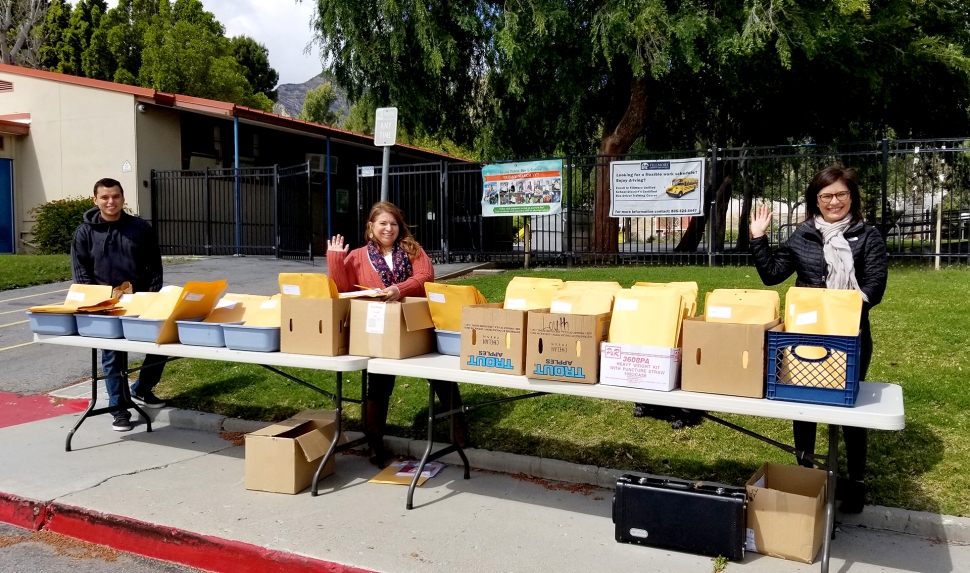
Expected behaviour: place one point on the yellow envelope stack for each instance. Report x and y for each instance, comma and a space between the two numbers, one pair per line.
135, 304
307, 285
605, 286
581, 301
77, 296
530, 293
446, 302
687, 289
235, 308
741, 306
194, 300
648, 317
823, 311
266, 314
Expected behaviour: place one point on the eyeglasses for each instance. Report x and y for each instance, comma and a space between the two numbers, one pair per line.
827, 197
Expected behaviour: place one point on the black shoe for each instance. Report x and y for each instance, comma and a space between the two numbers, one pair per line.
147, 399
854, 497
122, 422
379, 457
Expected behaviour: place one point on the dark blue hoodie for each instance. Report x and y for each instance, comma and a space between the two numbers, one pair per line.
112, 252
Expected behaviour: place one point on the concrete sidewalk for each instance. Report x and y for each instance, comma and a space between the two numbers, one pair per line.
171, 492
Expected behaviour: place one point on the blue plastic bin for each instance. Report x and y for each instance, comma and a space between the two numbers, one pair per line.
195, 333
100, 326
449, 342
252, 338
832, 383
52, 323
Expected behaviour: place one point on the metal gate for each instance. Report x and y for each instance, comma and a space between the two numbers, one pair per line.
247, 211
417, 190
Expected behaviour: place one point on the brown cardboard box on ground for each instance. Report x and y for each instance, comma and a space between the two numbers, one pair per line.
391, 329
637, 366
724, 358
786, 511
317, 326
282, 458
493, 339
565, 347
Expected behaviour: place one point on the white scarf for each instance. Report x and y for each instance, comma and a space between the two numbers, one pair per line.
838, 254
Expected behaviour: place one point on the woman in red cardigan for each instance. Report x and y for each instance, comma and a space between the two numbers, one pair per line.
390, 260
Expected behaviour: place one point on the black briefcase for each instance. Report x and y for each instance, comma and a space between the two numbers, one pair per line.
696, 517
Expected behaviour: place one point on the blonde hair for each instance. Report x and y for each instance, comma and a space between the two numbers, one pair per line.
404, 237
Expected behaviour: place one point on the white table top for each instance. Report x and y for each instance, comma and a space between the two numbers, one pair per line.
331, 363
879, 405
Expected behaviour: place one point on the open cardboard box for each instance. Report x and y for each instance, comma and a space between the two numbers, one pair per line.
786, 511
724, 358
391, 329
282, 458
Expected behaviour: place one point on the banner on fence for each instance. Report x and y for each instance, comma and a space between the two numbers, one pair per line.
522, 188
667, 188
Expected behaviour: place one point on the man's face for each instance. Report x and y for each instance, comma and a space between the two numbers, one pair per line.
110, 201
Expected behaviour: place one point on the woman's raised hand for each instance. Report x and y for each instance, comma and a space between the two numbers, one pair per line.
336, 243
761, 221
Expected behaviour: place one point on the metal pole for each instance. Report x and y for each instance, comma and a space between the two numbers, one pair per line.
279, 210
713, 215
883, 224
445, 211
569, 211
208, 214
235, 134
384, 168
329, 199
527, 233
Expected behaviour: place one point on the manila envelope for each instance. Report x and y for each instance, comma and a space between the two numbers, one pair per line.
647, 317
741, 306
592, 301
530, 293
235, 307
823, 311
446, 301
77, 296
196, 300
307, 285
267, 313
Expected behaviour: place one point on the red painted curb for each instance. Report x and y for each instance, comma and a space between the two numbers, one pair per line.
21, 512
159, 542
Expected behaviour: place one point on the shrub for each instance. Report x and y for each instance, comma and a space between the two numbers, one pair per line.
56, 222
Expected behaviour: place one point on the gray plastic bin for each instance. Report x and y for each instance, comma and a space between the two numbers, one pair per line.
48, 323
144, 329
100, 326
252, 338
195, 333
449, 342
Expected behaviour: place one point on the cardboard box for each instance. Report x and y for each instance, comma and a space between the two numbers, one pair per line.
786, 511
635, 366
724, 358
282, 458
317, 326
565, 347
493, 339
391, 329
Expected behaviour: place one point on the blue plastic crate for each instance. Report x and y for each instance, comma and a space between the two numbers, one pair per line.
832, 379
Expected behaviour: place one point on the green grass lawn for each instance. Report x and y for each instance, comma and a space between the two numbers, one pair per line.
17, 271
921, 331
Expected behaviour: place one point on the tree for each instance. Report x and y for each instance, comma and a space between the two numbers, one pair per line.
316, 106
254, 59
20, 30
69, 34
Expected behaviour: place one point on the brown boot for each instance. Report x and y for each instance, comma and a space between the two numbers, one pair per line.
375, 423
450, 399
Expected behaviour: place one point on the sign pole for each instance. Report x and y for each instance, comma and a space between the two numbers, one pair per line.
385, 135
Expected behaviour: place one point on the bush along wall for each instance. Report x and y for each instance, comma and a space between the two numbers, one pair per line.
56, 222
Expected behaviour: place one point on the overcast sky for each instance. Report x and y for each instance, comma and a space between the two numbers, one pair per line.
283, 26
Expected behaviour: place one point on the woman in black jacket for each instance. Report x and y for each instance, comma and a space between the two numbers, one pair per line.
835, 249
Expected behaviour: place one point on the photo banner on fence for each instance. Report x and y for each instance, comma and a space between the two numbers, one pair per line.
667, 188
522, 188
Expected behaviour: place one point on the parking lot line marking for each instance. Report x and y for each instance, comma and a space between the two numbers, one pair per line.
13, 311
12, 323
16, 346
33, 295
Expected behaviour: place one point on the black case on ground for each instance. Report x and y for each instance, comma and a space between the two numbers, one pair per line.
696, 517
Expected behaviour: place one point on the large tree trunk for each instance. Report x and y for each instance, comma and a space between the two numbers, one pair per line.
616, 140
695, 229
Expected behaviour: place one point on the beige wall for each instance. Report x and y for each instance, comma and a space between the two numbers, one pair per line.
77, 136
159, 139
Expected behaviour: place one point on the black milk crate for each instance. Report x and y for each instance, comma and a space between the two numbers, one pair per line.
832, 379
698, 517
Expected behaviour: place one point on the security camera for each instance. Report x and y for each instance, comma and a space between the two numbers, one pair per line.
142, 108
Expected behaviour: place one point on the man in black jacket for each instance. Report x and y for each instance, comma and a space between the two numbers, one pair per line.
109, 248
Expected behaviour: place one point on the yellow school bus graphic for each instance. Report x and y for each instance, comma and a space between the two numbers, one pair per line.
681, 186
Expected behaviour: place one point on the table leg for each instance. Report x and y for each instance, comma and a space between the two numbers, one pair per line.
830, 493
338, 404
92, 403
427, 450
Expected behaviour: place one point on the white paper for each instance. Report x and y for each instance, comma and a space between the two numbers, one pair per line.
78, 296
625, 304
226, 303
143, 293
125, 298
806, 318
268, 304
375, 317
515, 303
561, 306
436, 297
292, 290
719, 311
167, 288
194, 297
749, 541
406, 469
